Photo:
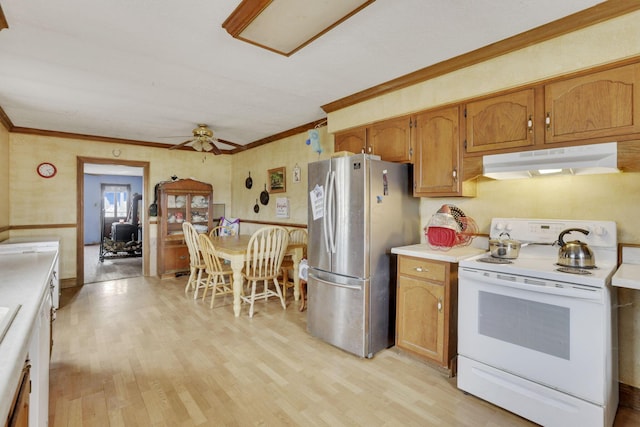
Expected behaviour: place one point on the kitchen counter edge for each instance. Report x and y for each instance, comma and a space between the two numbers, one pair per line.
453, 255
627, 276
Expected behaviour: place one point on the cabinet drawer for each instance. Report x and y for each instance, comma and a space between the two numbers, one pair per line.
422, 268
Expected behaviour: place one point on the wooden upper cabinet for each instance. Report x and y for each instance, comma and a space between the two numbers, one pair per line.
437, 160
599, 105
353, 140
500, 122
391, 140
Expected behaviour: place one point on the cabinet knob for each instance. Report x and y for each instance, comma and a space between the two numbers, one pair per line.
547, 121
420, 269
440, 305
183, 257
454, 173
530, 124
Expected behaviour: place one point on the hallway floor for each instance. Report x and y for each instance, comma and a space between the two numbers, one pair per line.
109, 269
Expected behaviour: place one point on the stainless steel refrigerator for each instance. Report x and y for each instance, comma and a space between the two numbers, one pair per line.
359, 208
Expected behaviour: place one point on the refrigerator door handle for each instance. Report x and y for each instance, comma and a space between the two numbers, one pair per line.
329, 212
338, 285
325, 233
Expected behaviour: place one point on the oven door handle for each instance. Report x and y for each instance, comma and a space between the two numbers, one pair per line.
531, 284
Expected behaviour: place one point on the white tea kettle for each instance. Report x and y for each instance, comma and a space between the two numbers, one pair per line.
575, 253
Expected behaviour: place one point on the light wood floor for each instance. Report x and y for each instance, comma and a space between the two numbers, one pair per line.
138, 352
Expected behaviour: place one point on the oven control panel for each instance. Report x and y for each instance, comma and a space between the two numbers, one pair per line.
600, 233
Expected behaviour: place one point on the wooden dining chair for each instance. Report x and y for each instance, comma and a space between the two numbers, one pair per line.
263, 259
222, 230
216, 271
299, 236
196, 263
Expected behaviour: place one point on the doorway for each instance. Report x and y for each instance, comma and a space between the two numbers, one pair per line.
91, 263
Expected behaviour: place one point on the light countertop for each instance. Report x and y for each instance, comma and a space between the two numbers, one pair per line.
627, 276
23, 281
454, 255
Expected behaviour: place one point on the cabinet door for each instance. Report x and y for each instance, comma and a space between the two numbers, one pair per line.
501, 122
19, 412
176, 258
603, 104
39, 356
391, 140
174, 213
436, 164
354, 140
200, 212
420, 318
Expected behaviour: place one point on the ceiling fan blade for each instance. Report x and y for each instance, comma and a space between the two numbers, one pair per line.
182, 144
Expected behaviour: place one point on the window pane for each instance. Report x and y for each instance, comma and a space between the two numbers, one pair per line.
122, 204
109, 205
115, 199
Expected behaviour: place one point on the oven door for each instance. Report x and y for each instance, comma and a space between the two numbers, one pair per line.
551, 333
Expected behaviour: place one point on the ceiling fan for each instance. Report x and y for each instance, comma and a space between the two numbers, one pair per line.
203, 140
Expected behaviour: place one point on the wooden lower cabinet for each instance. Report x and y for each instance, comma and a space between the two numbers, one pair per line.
426, 315
175, 258
19, 412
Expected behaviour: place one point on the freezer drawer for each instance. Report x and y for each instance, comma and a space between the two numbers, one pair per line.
337, 312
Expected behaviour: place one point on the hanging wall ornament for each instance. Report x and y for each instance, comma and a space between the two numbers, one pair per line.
296, 174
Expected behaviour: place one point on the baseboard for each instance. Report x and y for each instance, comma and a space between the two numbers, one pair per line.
68, 283
629, 396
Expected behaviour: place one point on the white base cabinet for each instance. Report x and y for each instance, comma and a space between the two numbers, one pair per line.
39, 354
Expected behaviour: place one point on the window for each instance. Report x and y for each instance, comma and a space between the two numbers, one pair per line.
115, 200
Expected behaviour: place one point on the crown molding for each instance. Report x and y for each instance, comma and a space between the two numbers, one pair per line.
5, 120
602, 12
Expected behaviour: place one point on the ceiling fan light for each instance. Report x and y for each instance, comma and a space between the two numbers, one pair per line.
206, 146
197, 145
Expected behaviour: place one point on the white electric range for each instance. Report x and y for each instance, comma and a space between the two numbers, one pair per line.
538, 339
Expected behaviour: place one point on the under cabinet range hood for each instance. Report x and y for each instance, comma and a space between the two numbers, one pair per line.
578, 160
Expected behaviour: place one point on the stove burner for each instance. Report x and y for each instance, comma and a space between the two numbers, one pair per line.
492, 260
586, 267
573, 270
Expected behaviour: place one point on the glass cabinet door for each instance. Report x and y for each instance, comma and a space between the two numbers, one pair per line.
176, 214
199, 212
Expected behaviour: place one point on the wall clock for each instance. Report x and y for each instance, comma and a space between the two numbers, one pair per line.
46, 170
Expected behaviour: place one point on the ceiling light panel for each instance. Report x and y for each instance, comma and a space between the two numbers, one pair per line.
285, 26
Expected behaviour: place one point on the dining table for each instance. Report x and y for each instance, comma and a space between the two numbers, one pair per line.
234, 250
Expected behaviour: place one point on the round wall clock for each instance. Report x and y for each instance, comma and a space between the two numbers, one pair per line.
46, 170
